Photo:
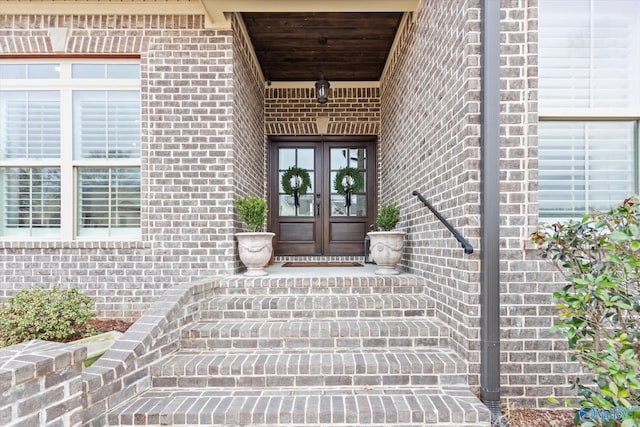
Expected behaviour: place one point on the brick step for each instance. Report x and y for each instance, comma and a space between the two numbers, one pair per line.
315, 307
346, 281
292, 368
312, 333
335, 406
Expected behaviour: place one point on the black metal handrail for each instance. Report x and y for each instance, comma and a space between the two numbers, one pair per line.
468, 249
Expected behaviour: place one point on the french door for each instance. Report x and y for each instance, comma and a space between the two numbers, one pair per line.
322, 221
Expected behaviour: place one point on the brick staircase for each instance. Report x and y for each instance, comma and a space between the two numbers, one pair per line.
338, 351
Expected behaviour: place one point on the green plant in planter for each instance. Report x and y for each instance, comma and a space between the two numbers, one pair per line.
388, 216
252, 211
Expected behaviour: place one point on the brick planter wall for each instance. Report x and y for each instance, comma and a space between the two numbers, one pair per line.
123, 371
40, 384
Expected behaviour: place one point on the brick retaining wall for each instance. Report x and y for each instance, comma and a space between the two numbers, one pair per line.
40, 384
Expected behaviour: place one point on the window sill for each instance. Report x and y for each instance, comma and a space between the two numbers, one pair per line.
76, 244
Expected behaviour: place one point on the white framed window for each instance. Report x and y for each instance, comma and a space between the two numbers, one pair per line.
589, 105
69, 149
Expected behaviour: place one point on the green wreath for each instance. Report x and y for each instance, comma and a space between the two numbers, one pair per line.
303, 186
357, 180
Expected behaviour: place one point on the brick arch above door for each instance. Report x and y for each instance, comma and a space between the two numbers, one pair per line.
295, 111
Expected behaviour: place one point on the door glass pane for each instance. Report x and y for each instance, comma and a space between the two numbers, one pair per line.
354, 158
286, 207
312, 178
339, 158
362, 190
358, 205
303, 158
358, 158
337, 205
286, 158
306, 205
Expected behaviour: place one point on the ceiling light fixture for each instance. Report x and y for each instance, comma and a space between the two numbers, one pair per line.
322, 84
322, 90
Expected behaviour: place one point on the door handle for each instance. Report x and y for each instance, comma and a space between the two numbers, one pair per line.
318, 202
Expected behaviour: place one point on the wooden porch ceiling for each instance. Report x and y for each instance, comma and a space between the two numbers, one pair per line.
285, 34
289, 45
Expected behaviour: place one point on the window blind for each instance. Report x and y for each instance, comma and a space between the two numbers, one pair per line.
585, 165
109, 199
30, 124
87, 184
106, 124
589, 54
31, 202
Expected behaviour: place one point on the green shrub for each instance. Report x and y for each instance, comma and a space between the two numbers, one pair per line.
53, 315
388, 216
599, 308
252, 211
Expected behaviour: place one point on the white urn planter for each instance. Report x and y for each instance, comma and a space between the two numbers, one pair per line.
255, 251
386, 250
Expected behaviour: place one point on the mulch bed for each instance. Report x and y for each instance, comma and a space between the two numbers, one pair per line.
108, 325
539, 418
102, 325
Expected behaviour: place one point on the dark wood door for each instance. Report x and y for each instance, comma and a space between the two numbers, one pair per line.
323, 223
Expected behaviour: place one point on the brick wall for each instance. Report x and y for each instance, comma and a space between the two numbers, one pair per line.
205, 114
124, 370
295, 111
41, 384
430, 143
439, 127
535, 365
249, 167
187, 179
249, 148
